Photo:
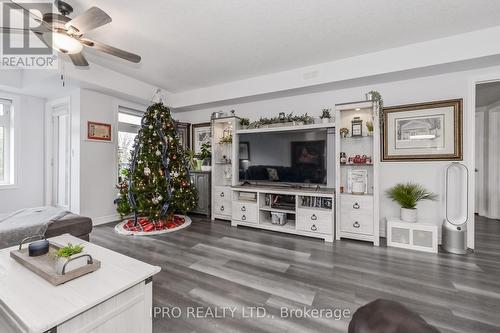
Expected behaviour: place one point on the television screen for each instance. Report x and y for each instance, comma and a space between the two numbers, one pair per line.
293, 157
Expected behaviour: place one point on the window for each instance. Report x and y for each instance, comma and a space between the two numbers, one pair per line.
129, 124
6, 143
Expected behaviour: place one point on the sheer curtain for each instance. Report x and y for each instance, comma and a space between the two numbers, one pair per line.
488, 162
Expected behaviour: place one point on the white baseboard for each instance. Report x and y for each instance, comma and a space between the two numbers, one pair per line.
105, 219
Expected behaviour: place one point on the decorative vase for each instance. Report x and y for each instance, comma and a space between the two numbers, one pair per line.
77, 260
409, 215
325, 120
206, 168
199, 164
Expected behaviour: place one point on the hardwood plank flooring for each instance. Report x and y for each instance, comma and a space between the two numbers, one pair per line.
210, 267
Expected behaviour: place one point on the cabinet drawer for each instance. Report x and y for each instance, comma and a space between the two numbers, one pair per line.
356, 222
222, 193
362, 204
244, 212
314, 221
222, 207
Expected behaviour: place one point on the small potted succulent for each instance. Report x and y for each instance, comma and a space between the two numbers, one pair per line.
244, 123
205, 156
369, 127
325, 116
407, 196
344, 132
72, 254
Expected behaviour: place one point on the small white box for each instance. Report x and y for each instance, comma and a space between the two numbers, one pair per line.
420, 236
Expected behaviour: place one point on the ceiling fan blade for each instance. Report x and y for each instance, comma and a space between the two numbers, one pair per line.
35, 17
111, 50
78, 59
91, 19
7, 30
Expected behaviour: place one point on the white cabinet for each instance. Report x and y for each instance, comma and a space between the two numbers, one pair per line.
305, 212
244, 212
420, 236
224, 165
315, 221
357, 162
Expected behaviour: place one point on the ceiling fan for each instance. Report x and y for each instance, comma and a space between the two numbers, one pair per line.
66, 35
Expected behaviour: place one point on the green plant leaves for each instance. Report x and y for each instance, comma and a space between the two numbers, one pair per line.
409, 194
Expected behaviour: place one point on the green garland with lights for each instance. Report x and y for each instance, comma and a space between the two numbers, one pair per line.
158, 182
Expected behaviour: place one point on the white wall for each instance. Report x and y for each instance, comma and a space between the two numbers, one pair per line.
98, 160
29, 145
422, 89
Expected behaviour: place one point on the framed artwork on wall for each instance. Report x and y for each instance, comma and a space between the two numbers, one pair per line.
98, 131
184, 129
202, 133
423, 132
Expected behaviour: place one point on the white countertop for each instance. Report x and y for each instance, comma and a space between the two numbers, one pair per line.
38, 306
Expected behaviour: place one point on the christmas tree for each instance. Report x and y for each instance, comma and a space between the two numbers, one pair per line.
157, 184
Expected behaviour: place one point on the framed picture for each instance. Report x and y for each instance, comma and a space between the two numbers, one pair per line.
183, 129
308, 153
425, 131
357, 181
98, 131
244, 151
202, 133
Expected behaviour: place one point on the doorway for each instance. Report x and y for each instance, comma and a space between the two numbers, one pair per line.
58, 151
487, 151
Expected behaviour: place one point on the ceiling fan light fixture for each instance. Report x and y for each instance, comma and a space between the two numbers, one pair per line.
65, 44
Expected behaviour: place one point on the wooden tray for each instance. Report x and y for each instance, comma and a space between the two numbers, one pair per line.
44, 265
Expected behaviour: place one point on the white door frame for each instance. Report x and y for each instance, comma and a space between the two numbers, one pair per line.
470, 145
49, 144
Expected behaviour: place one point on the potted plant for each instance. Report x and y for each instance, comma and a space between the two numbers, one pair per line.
344, 132
67, 253
407, 196
244, 123
205, 156
191, 158
369, 126
325, 116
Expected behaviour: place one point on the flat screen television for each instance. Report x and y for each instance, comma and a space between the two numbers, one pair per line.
292, 157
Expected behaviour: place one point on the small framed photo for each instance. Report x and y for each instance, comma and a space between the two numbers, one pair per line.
423, 132
98, 131
357, 181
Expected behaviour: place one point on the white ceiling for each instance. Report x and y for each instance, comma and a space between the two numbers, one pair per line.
188, 44
487, 93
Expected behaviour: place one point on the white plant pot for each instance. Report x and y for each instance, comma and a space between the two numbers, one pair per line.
206, 167
409, 215
325, 120
74, 264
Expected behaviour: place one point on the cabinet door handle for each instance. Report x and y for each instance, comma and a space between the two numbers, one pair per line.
314, 228
222, 194
314, 217
221, 208
356, 224
355, 206
243, 218
243, 209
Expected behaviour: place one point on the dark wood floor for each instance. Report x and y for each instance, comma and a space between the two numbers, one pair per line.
212, 266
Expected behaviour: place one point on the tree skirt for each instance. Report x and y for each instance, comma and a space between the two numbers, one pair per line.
149, 228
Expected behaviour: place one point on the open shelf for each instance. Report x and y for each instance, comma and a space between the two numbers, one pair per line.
269, 209
285, 128
290, 225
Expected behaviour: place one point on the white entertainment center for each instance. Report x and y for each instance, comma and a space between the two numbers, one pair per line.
328, 210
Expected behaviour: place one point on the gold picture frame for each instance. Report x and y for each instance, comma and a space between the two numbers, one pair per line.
429, 131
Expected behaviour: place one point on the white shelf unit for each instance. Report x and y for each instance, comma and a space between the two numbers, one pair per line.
302, 220
285, 128
224, 166
357, 215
